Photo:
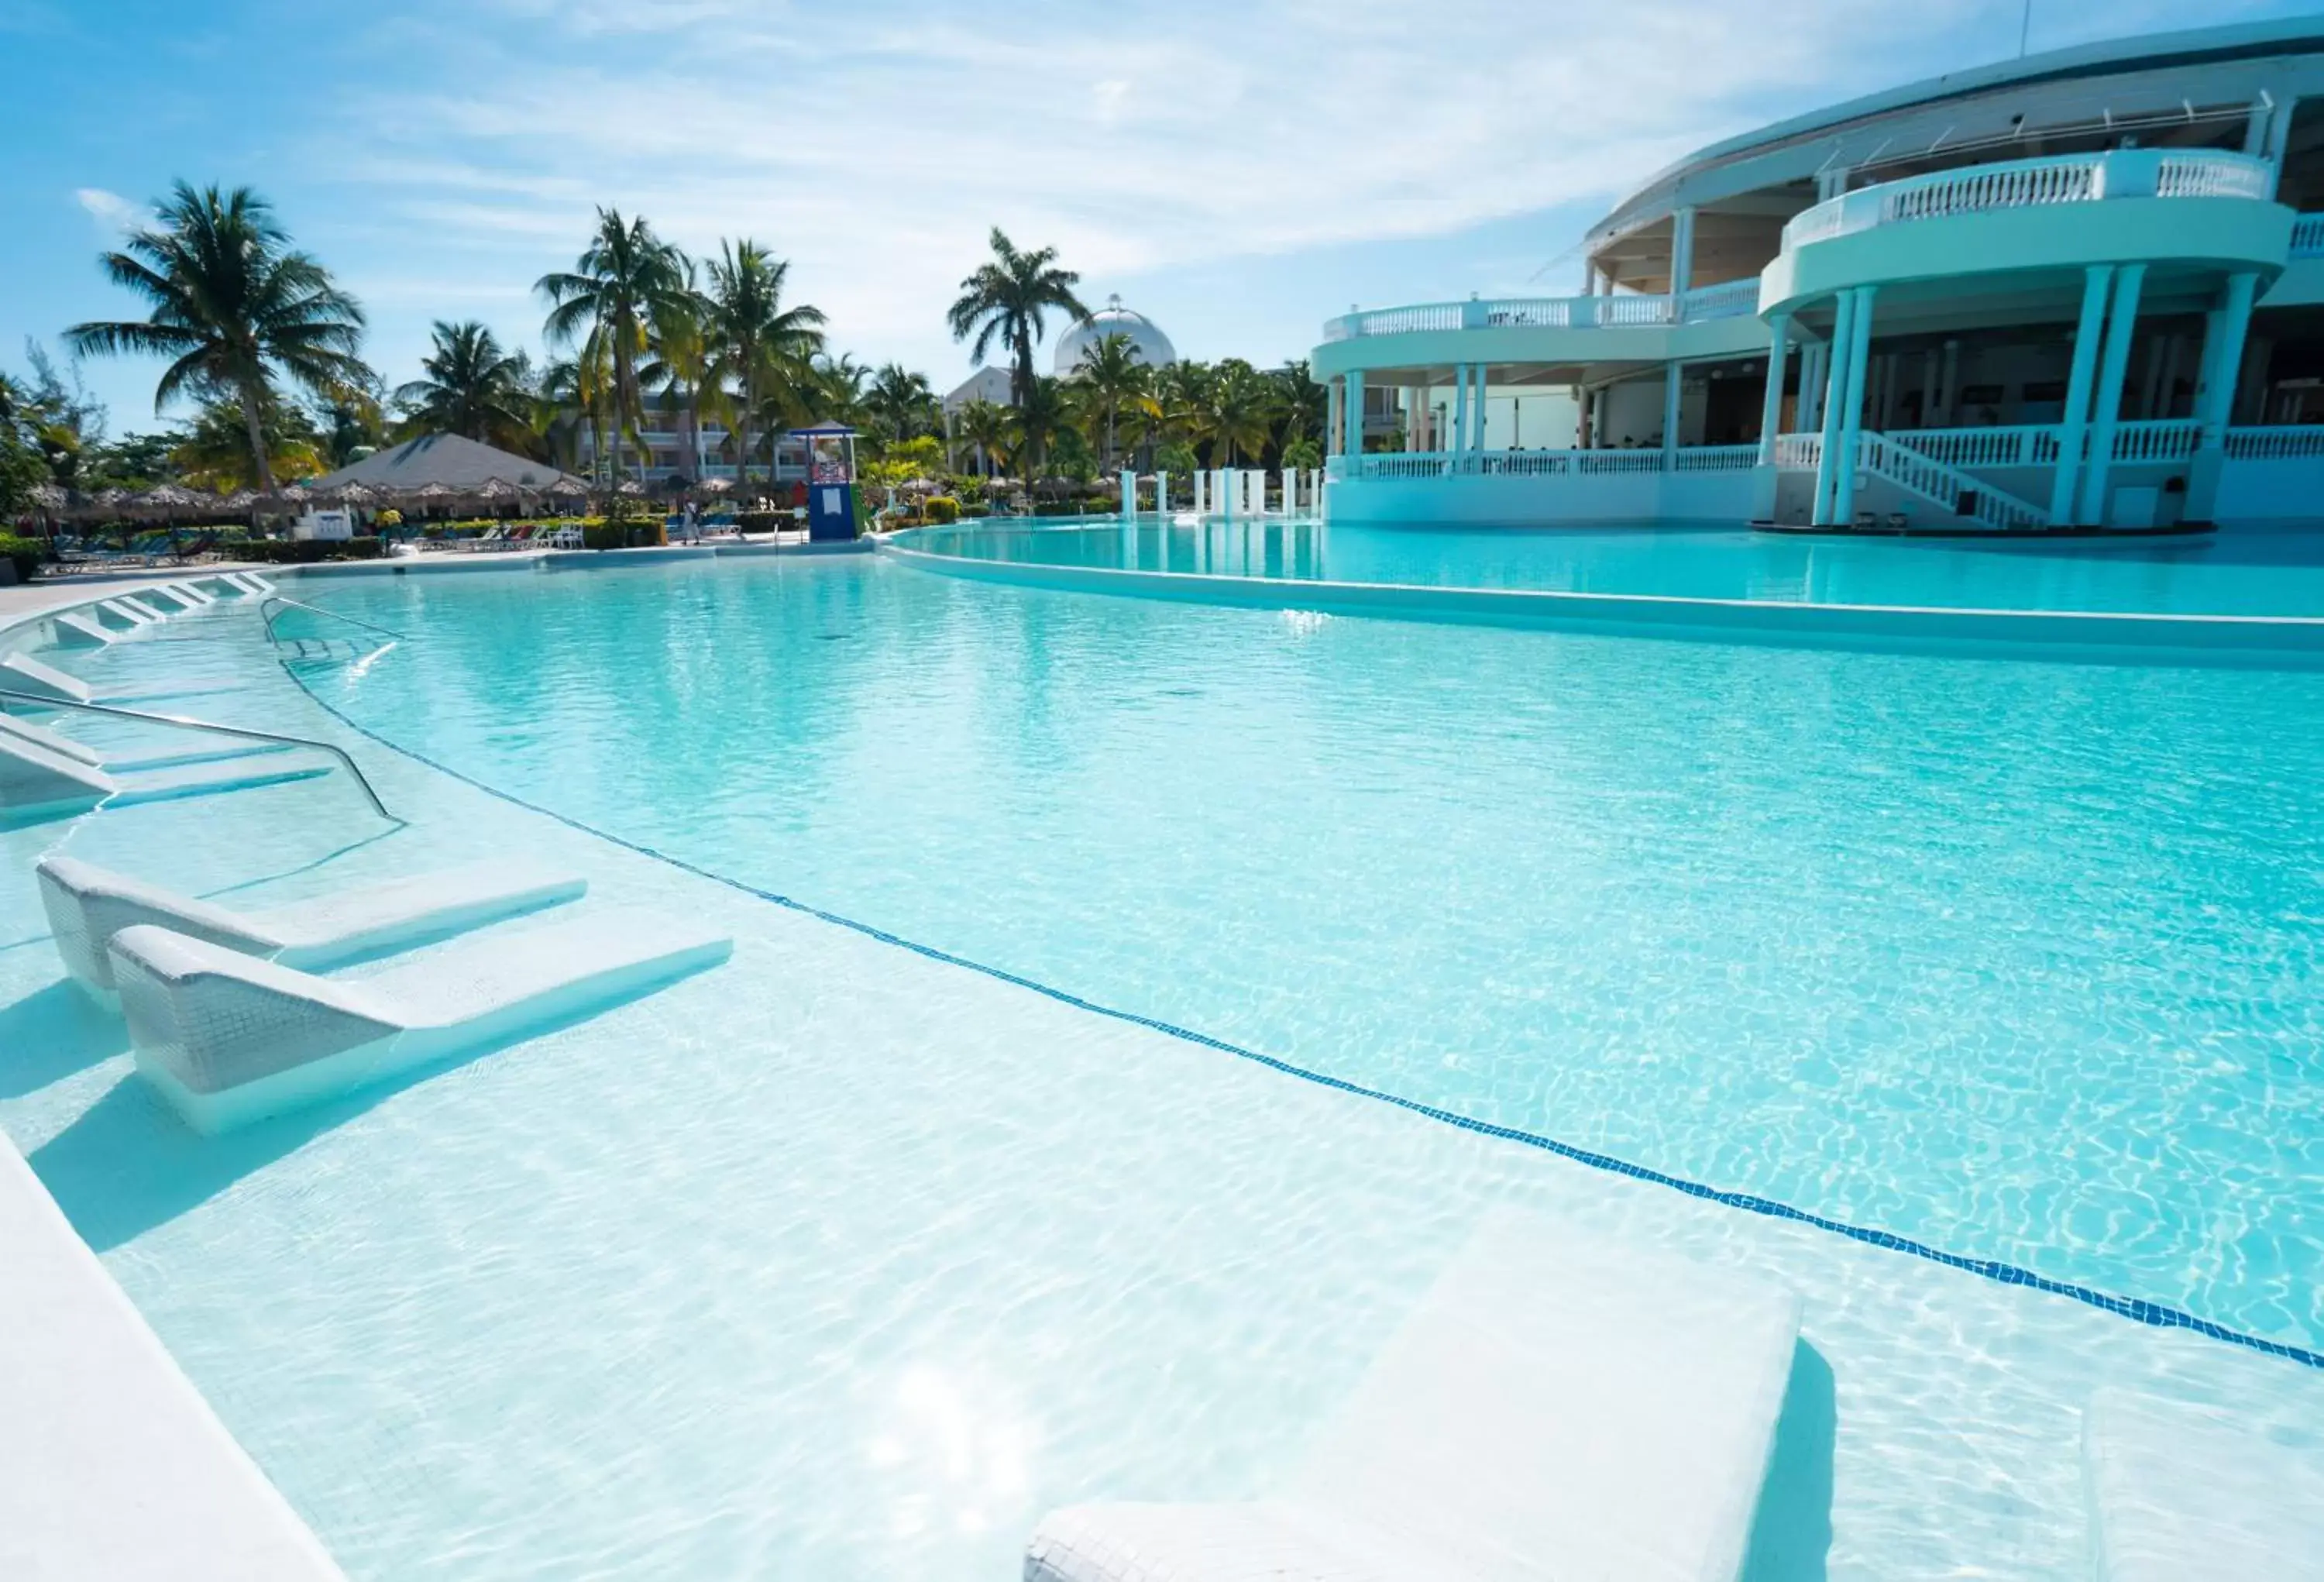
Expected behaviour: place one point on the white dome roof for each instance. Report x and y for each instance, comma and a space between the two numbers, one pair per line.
1151, 345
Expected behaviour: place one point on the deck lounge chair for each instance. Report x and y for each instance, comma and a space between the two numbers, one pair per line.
87, 905
71, 629
38, 784
131, 763
1560, 1407
228, 1039
2181, 1495
21, 673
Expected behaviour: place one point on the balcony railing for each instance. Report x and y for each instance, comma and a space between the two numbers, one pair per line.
1524, 463
2307, 236
1728, 299
2279, 444
2088, 178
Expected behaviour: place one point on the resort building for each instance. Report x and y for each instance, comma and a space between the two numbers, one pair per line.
665, 437
2082, 288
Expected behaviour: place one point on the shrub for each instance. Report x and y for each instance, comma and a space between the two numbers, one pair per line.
301, 551
762, 520
23, 552
979, 509
941, 508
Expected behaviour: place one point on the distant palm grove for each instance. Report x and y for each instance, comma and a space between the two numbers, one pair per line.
263, 349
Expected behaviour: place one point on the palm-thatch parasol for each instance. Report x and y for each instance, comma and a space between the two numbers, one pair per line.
632, 488
499, 489
168, 499
716, 485
433, 492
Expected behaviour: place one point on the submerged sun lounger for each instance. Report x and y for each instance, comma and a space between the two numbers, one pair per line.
71, 629
21, 673
2181, 1495
89, 905
23, 731
1560, 1407
38, 783
229, 1038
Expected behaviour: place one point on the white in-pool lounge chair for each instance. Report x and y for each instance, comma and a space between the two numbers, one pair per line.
19, 730
37, 782
228, 1039
1560, 1407
72, 629
250, 583
2181, 1495
21, 673
181, 595
87, 905
125, 619
144, 608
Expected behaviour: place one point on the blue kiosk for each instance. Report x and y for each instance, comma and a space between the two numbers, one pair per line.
830, 481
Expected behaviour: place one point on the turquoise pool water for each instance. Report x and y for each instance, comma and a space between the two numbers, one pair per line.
2012, 957
2246, 572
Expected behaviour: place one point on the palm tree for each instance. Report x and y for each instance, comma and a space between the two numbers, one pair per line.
233, 304
1007, 299
681, 364
215, 452
1306, 405
1183, 392
1039, 416
900, 404
470, 387
622, 279
988, 426
756, 343
1239, 415
1112, 378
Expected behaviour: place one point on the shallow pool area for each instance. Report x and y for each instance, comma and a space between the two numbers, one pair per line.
1136, 1003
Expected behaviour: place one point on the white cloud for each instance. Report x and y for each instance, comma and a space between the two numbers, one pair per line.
875, 146
115, 215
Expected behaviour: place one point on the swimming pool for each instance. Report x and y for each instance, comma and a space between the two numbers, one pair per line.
844, 1260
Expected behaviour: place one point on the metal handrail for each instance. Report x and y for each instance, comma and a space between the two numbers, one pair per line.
275, 598
184, 723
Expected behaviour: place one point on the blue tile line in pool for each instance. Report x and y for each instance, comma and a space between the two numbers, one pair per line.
2155, 1314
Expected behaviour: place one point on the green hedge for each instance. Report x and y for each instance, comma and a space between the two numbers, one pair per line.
942, 508
300, 551
23, 551
980, 509
762, 520
622, 535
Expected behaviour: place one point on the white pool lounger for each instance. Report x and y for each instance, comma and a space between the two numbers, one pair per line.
229, 1038
2181, 1495
38, 783
1559, 1408
71, 629
89, 905
21, 673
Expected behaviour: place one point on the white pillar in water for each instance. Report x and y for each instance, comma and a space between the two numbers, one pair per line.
1128, 492
1162, 493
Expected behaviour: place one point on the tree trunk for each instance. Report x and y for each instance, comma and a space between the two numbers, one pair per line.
257, 433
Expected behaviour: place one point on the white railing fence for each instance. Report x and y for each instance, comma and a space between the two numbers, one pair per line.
1731, 299
1717, 459
2307, 236
1946, 487
1443, 463
2275, 444
2031, 445
2170, 439
2122, 172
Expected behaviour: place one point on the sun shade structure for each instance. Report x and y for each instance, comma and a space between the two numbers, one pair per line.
1562, 1405
228, 1039
462, 466
86, 905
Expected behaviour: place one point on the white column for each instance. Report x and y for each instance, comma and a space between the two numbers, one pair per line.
1459, 408
1771, 403
2122, 323
2215, 401
1477, 407
1851, 417
1334, 424
1829, 405
1815, 367
1162, 493
1355, 403
1128, 492
2076, 424
1681, 269
1670, 414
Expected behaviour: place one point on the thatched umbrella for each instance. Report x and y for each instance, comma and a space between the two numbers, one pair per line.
168, 499
632, 488
716, 485
499, 489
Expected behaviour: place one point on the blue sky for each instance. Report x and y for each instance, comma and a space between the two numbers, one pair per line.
1239, 171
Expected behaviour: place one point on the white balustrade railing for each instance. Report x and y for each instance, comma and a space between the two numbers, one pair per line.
1728, 299
1517, 463
2122, 172
1946, 487
2171, 439
1717, 459
2307, 236
2287, 443
1798, 450
2032, 445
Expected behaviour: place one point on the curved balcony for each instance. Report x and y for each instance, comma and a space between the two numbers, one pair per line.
2200, 208
1733, 299
1712, 320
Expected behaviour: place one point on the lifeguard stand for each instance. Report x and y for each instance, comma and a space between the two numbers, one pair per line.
830, 481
